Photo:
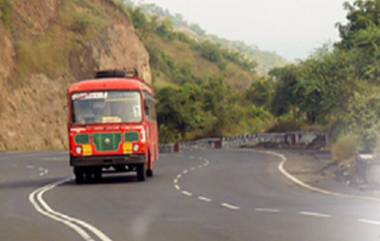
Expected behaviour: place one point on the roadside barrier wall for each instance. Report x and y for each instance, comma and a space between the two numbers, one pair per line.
310, 140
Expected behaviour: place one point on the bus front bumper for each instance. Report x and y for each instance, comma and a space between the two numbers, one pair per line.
106, 161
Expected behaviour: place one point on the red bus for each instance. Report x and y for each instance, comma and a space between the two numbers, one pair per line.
112, 126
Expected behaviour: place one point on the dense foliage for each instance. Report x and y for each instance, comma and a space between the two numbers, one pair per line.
202, 86
338, 85
209, 109
335, 89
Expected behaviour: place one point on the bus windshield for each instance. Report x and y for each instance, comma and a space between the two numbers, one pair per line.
106, 107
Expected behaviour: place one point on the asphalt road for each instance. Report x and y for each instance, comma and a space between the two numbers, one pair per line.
208, 195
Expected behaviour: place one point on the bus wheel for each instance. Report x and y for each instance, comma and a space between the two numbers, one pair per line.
140, 169
149, 173
98, 175
79, 175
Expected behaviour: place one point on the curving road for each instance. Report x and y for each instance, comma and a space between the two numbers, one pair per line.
209, 195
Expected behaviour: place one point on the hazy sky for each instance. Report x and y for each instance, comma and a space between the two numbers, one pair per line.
292, 28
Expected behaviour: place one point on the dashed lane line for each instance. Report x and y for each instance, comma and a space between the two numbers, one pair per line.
315, 214
267, 210
230, 206
368, 221
272, 210
186, 193
205, 199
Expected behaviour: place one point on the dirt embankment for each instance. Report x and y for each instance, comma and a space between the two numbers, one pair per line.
45, 46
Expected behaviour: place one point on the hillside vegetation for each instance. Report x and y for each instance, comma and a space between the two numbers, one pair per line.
204, 88
265, 60
335, 90
177, 58
45, 46
338, 87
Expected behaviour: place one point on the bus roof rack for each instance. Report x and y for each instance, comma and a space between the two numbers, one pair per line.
129, 73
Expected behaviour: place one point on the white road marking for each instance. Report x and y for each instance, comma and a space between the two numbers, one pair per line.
200, 166
192, 169
79, 226
177, 187
43, 172
185, 172
229, 206
314, 214
205, 199
179, 176
281, 168
267, 210
367, 221
53, 158
189, 194
175, 181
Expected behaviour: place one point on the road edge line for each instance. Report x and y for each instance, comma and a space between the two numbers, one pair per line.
41, 206
284, 172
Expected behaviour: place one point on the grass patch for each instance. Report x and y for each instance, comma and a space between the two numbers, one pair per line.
286, 124
6, 12
344, 149
84, 18
79, 22
48, 54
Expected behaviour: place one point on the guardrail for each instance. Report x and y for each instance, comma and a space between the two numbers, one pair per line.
310, 140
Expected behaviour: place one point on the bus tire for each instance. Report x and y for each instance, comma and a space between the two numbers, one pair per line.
79, 175
149, 173
98, 175
140, 169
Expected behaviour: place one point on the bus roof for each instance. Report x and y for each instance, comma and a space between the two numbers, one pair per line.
110, 84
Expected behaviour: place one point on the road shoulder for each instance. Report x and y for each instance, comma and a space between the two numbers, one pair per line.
311, 168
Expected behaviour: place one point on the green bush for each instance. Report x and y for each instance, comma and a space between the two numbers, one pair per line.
80, 24
168, 135
287, 123
345, 148
5, 11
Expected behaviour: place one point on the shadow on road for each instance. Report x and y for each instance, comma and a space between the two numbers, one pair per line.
108, 180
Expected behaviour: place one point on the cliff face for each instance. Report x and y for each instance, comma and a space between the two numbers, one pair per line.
45, 46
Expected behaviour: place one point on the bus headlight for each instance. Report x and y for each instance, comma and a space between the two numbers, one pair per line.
136, 147
78, 150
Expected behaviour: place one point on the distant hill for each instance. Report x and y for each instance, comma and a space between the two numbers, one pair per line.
264, 59
178, 58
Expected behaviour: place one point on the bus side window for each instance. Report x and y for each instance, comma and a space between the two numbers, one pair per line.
150, 107
146, 107
153, 111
